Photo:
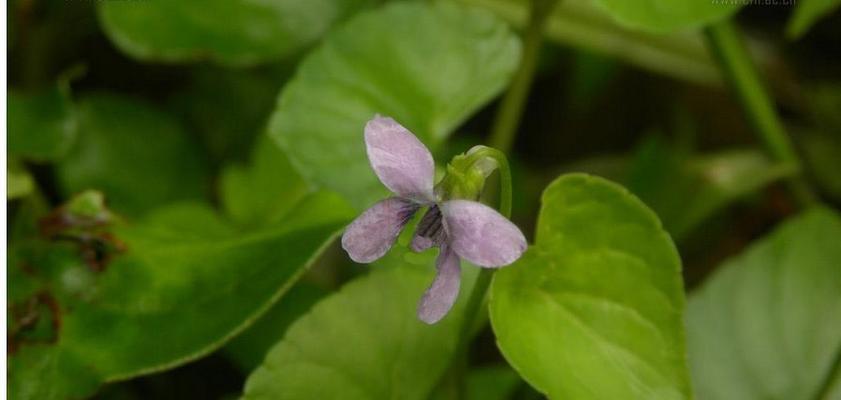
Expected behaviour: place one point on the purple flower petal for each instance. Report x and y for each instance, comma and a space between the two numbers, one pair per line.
481, 235
371, 234
442, 294
430, 231
400, 160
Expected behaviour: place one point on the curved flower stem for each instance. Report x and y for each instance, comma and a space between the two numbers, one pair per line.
481, 152
501, 140
743, 78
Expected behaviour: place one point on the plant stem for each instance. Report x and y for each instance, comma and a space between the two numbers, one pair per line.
481, 152
511, 108
483, 280
743, 78
502, 137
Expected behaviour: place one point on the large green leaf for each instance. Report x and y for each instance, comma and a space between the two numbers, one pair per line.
139, 156
365, 341
662, 16
594, 309
42, 125
185, 284
807, 13
249, 348
767, 325
263, 192
582, 24
240, 32
429, 66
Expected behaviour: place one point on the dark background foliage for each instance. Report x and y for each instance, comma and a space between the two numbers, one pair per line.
587, 111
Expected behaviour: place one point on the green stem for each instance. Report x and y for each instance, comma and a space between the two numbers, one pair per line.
511, 108
501, 140
474, 303
743, 78
478, 154
480, 287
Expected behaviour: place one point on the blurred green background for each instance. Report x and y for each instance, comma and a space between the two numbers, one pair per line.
164, 106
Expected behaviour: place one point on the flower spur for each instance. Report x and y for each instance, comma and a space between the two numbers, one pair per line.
461, 228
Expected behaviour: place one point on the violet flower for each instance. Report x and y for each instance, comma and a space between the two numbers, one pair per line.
460, 228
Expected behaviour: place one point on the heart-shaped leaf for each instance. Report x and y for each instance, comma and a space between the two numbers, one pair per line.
767, 325
429, 66
184, 284
365, 341
594, 309
240, 32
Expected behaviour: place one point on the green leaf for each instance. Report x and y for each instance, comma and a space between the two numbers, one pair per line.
684, 190
138, 156
250, 347
149, 309
19, 182
821, 153
661, 16
594, 309
266, 190
42, 125
237, 33
365, 341
228, 108
582, 24
766, 324
496, 382
429, 66
806, 14
41, 372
